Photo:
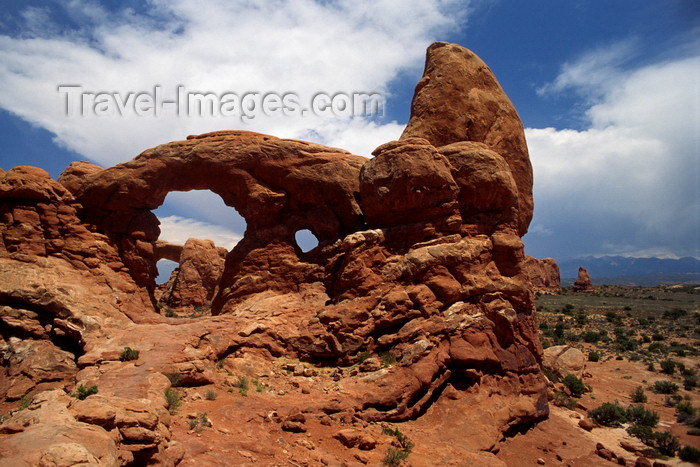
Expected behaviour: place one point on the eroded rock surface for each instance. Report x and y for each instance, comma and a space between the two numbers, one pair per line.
419, 279
544, 274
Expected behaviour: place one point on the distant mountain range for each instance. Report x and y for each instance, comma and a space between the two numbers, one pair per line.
621, 270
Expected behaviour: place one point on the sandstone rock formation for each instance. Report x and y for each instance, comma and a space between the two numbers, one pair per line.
543, 274
419, 263
583, 281
195, 282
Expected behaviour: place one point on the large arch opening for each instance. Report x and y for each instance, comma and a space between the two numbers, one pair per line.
183, 261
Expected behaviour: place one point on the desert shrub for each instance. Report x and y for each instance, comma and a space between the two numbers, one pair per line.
581, 318
658, 337
82, 392
200, 422
643, 432
174, 379
665, 387
685, 411
590, 337
690, 380
666, 443
169, 312
638, 396
650, 366
612, 317
243, 385
668, 367
608, 414
574, 385
672, 400
638, 415
624, 343
387, 358
551, 375
25, 400
393, 456
562, 400
593, 356
656, 347
693, 431
568, 309
210, 395
173, 398
128, 354
675, 313
660, 442
259, 387
689, 454
362, 356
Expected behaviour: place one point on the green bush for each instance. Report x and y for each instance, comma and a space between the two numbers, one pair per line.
675, 313
387, 358
82, 392
173, 397
243, 385
612, 317
200, 422
656, 347
128, 354
562, 400
657, 336
643, 432
210, 395
395, 456
593, 356
668, 367
638, 396
608, 414
574, 385
362, 356
590, 337
689, 454
690, 380
638, 415
624, 343
174, 379
685, 411
666, 443
665, 387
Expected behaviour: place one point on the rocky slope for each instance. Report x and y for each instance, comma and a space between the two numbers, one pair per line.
415, 307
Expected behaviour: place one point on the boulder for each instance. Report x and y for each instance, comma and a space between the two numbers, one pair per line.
563, 360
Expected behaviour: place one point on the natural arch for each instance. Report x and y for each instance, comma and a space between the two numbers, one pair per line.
279, 187
197, 231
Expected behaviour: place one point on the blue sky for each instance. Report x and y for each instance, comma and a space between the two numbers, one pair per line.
608, 91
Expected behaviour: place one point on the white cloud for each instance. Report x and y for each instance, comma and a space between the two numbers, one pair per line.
176, 229
302, 46
220, 46
637, 165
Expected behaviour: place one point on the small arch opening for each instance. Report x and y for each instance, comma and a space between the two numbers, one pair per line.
165, 270
306, 240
